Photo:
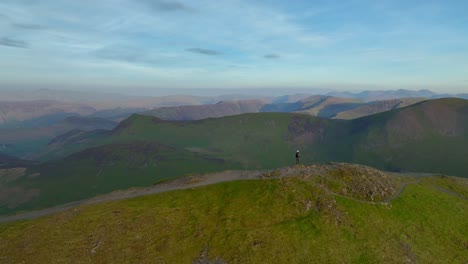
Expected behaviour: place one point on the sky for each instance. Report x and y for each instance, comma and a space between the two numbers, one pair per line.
126, 45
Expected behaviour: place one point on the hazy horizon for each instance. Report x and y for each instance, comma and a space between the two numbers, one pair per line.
149, 46
207, 92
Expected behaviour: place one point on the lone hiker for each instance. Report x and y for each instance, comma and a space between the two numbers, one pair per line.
298, 157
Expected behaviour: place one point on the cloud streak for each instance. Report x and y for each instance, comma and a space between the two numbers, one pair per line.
137, 56
271, 56
14, 43
28, 26
104, 39
204, 51
120, 53
165, 6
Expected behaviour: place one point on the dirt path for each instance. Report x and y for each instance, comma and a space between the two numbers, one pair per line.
402, 188
192, 182
440, 189
176, 184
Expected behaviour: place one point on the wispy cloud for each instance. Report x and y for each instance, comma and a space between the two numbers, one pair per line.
204, 51
271, 56
137, 56
120, 53
315, 41
165, 6
28, 26
15, 43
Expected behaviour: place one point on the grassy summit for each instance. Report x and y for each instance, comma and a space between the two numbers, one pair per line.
336, 213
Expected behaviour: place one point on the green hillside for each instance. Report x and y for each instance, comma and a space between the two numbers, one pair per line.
375, 107
13, 162
100, 170
318, 214
256, 140
428, 137
27, 142
431, 136
263, 140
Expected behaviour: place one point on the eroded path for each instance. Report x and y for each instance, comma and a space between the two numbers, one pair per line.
213, 178
170, 185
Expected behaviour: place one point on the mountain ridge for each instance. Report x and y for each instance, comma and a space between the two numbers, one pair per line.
220, 109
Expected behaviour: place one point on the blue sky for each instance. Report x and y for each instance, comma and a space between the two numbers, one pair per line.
151, 44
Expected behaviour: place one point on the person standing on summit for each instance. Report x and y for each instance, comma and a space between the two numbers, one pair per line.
298, 157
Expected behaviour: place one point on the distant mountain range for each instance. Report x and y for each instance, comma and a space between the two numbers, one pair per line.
183, 98
14, 113
102, 101
197, 112
26, 127
376, 95
44, 107
341, 105
317, 105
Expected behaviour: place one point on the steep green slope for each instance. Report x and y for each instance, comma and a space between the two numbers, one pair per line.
375, 107
71, 142
13, 162
256, 140
26, 142
427, 137
431, 136
235, 131
100, 170
263, 139
126, 157
320, 217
